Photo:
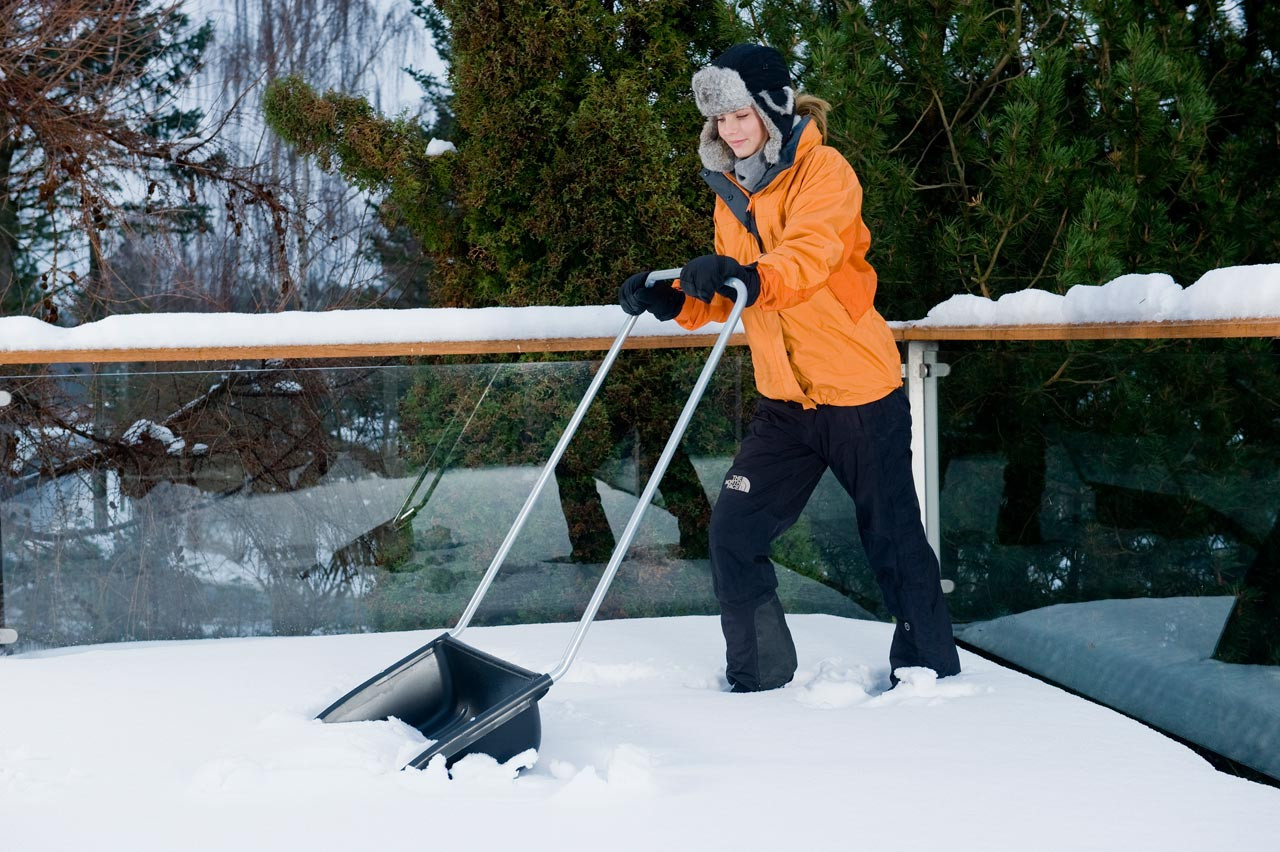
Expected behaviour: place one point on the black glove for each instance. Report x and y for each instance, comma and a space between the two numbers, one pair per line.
705, 276
662, 300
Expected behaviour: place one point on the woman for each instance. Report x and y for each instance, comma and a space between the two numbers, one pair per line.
788, 224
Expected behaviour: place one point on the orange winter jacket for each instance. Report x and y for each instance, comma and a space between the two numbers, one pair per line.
815, 337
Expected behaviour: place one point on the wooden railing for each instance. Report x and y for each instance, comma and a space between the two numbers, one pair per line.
903, 332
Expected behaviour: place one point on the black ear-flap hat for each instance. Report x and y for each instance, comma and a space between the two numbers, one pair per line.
745, 75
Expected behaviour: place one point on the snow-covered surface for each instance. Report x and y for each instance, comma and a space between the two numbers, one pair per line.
1232, 293
1152, 658
1237, 292
212, 746
301, 328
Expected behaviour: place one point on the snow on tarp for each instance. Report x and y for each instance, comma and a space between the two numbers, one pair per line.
1151, 658
212, 745
1232, 293
1237, 292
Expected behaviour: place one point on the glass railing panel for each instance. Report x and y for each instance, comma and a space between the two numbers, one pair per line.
1088, 471
190, 503
1111, 519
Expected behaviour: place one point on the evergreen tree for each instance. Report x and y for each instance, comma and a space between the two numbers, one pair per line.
1045, 143
576, 147
1049, 144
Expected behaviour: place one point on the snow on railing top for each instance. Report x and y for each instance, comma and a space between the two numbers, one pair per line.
314, 328
1235, 301
1237, 292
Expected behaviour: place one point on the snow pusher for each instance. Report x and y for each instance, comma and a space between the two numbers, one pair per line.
466, 701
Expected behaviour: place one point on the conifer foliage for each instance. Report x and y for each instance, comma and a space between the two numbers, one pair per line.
576, 158
1051, 143
1047, 143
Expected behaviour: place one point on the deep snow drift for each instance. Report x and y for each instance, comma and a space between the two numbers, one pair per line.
212, 746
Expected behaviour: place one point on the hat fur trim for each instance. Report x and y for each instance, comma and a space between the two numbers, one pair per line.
719, 90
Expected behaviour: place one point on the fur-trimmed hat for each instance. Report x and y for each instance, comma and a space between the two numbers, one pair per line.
745, 75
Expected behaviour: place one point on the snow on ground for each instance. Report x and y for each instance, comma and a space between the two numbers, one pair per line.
212, 746
1152, 658
1231, 293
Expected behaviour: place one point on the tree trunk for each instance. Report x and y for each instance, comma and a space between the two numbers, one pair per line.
8, 233
1252, 632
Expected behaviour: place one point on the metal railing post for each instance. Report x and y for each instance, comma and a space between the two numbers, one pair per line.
8, 635
923, 372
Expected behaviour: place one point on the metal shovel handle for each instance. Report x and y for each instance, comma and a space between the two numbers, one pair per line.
556, 454
651, 487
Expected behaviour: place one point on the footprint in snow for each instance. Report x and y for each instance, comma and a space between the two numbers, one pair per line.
836, 685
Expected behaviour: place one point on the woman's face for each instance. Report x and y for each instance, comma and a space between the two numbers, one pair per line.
742, 130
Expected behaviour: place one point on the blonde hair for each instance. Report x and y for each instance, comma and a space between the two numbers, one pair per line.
816, 108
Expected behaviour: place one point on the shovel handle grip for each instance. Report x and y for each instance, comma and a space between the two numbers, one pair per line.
662, 275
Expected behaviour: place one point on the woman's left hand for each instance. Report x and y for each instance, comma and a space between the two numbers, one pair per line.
705, 276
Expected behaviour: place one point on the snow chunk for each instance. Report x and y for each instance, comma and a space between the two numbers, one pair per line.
436, 147
1129, 298
1025, 307
1235, 292
836, 686
147, 429
481, 770
631, 769
921, 682
918, 680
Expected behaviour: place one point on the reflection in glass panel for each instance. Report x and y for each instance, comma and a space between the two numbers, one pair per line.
1076, 472
260, 501
1111, 517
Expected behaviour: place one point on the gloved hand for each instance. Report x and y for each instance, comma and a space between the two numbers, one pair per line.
662, 300
705, 276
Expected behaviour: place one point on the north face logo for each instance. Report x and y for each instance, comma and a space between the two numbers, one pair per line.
738, 483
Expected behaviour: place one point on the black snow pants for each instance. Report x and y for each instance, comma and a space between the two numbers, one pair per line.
783, 456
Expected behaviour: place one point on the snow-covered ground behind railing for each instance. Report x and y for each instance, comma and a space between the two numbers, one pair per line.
213, 746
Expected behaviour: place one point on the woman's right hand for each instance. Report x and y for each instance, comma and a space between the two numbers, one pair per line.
662, 299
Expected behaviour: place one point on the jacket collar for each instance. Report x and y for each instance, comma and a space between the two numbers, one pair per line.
804, 138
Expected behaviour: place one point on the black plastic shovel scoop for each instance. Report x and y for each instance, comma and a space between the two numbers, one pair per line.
466, 701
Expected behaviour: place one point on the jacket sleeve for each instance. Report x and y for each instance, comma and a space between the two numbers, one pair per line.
695, 313
822, 216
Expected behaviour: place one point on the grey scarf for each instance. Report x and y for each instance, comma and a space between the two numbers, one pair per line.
750, 171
